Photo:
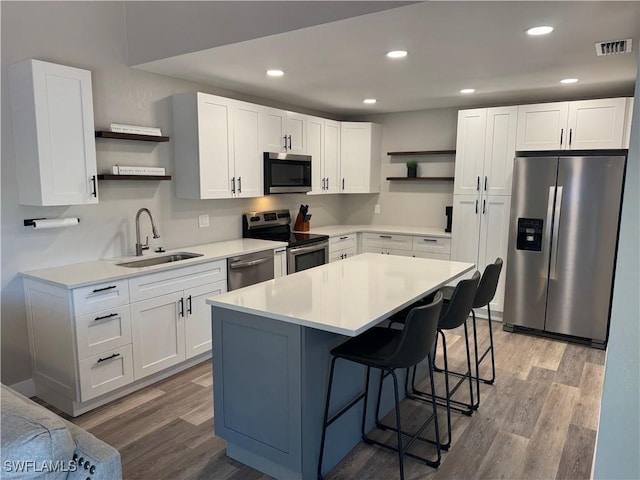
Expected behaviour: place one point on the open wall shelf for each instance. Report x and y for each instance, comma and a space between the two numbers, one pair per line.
133, 177
130, 136
422, 153
422, 179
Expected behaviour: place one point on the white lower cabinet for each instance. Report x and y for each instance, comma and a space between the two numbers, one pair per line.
279, 262
343, 247
424, 246
93, 340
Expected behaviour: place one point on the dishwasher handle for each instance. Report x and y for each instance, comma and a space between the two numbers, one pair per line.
250, 263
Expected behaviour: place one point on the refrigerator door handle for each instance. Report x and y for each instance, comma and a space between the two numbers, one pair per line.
547, 230
556, 228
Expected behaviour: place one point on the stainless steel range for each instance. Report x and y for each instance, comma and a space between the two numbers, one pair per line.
304, 250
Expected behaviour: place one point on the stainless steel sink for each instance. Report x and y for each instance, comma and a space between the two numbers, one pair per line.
147, 262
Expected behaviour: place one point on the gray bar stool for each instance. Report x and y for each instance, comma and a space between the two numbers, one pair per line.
387, 350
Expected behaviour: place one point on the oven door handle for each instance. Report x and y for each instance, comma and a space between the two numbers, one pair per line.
250, 263
311, 248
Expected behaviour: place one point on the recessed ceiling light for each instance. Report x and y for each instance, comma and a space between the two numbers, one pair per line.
569, 80
397, 54
275, 73
369, 100
543, 30
468, 90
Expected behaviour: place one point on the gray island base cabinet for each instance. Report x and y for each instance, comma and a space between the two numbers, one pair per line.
271, 357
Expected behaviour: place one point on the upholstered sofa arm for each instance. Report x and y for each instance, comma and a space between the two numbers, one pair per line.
96, 459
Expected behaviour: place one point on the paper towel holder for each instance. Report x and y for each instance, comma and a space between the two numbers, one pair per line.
30, 222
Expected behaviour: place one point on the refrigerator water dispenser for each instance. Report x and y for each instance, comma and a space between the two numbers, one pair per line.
529, 234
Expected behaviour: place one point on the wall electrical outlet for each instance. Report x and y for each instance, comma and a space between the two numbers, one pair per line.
203, 220
376, 209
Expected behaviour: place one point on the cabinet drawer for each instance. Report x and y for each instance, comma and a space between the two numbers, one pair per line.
99, 297
383, 240
342, 242
103, 331
436, 256
103, 373
169, 281
432, 244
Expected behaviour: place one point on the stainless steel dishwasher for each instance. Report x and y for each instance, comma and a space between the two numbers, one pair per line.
244, 270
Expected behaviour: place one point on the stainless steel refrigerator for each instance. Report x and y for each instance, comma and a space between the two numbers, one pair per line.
565, 212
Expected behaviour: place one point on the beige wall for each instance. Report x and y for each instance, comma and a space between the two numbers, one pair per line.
91, 35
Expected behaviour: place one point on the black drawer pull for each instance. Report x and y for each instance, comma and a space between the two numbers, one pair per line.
429, 240
105, 316
385, 236
343, 238
108, 358
103, 289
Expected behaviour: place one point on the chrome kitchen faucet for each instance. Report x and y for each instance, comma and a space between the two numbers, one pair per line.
139, 246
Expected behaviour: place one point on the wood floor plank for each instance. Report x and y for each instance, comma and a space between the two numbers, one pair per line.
550, 433
573, 361
587, 409
575, 462
205, 380
201, 413
504, 460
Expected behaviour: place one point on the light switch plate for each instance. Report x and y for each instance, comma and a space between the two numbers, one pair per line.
203, 220
376, 209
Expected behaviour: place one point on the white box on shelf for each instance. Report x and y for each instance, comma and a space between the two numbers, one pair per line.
136, 129
122, 170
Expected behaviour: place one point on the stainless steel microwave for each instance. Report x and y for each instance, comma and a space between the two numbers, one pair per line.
286, 173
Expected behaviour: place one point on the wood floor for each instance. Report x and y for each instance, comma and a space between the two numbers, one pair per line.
538, 421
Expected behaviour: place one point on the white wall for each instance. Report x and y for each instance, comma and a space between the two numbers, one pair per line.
410, 203
92, 35
617, 453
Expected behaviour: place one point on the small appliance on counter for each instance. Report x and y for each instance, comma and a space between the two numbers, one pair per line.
304, 250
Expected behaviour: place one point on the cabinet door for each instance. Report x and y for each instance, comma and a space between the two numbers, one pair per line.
315, 148
297, 129
197, 324
53, 131
280, 263
596, 123
355, 157
157, 326
466, 228
470, 150
332, 156
248, 163
494, 240
215, 168
273, 130
500, 150
542, 126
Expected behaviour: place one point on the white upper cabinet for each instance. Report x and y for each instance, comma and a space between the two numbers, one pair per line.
580, 125
360, 144
485, 150
53, 134
217, 147
282, 131
324, 147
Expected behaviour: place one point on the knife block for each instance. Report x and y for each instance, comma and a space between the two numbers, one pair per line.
301, 225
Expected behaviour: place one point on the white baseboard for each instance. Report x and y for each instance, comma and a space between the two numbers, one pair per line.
26, 388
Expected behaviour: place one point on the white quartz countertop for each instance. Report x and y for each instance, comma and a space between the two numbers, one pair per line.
346, 297
88, 273
336, 230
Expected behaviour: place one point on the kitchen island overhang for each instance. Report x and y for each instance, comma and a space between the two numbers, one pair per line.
271, 344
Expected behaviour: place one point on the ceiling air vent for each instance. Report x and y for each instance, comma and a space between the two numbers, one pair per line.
614, 47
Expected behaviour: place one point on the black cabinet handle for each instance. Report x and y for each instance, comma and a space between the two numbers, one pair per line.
239, 184
327, 183
485, 183
477, 183
108, 358
233, 185
429, 240
105, 316
343, 238
343, 184
570, 135
385, 236
94, 193
484, 206
289, 142
285, 142
476, 207
103, 289
561, 135
181, 307
189, 310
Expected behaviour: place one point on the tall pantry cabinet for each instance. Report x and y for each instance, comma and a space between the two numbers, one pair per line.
485, 150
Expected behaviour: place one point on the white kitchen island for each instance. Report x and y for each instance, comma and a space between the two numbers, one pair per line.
271, 344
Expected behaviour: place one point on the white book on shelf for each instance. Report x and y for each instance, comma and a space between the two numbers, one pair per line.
135, 129
124, 170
